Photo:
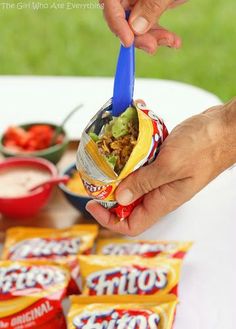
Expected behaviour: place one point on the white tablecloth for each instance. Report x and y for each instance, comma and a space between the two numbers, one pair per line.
207, 289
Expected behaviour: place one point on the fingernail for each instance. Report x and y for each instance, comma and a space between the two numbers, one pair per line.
147, 50
87, 206
140, 25
125, 197
164, 42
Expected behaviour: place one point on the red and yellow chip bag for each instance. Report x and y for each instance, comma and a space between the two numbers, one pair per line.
129, 275
144, 248
111, 148
59, 245
122, 312
31, 295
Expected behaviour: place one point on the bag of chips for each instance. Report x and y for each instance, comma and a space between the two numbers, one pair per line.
148, 248
31, 295
113, 147
129, 275
59, 245
122, 312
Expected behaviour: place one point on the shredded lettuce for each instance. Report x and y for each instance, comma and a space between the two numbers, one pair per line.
112, 160
94, 136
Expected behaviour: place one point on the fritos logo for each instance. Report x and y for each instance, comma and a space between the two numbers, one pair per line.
117, 319
38, 247
101, 191
143, 249
15, 279
127, 280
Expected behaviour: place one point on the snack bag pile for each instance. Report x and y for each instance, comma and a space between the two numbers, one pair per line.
31, 295
59, 245
113, 147
174, 249
122, 312
128, 284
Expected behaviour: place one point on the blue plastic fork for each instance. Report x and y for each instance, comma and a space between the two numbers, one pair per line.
124, 80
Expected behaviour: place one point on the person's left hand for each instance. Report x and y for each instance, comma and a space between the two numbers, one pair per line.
143, 26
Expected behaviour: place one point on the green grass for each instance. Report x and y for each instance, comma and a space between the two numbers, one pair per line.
78, 42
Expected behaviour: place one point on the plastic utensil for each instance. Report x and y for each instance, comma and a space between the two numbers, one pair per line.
52, 181
59, 129
124, 80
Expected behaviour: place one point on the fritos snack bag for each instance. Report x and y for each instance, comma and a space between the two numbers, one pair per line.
59, 245
129, 275
143, 248
122, 312
31, 295
112, 148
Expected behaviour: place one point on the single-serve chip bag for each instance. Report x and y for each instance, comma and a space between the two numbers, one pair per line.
122, 312
129, 275
31, 295
144, 248
59, 245
113, 147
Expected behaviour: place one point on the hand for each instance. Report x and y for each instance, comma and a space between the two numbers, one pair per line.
142, 26
193, 154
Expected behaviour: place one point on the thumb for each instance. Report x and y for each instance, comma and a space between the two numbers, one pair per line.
141, 182
145, 13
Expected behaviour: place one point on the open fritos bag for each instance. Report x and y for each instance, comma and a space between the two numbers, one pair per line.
113, 147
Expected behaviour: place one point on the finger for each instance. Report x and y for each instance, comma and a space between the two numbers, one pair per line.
155, 38
115, 16
159, 203
176, 3
145, 13
125, 4
146, 42
165, 37
107, 219
144, 180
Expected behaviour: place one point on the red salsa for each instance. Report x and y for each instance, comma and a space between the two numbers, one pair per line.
36, 138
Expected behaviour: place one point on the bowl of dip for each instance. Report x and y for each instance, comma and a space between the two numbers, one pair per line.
34, 140
17, 177
74, 191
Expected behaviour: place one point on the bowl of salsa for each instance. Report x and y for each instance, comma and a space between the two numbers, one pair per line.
34, 140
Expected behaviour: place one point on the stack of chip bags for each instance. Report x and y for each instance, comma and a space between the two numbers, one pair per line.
129, 284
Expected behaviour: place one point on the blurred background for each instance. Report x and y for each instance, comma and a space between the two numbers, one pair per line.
77, 42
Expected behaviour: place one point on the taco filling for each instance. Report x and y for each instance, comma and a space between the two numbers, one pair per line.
118, 138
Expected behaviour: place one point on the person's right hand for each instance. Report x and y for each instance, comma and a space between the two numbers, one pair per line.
194, 153
142, 27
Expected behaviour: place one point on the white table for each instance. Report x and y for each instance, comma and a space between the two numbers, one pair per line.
207, 289
25, 99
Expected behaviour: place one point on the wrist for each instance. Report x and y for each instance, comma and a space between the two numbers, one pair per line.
230, 129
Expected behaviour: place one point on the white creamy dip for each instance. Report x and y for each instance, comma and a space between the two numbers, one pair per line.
17, 181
